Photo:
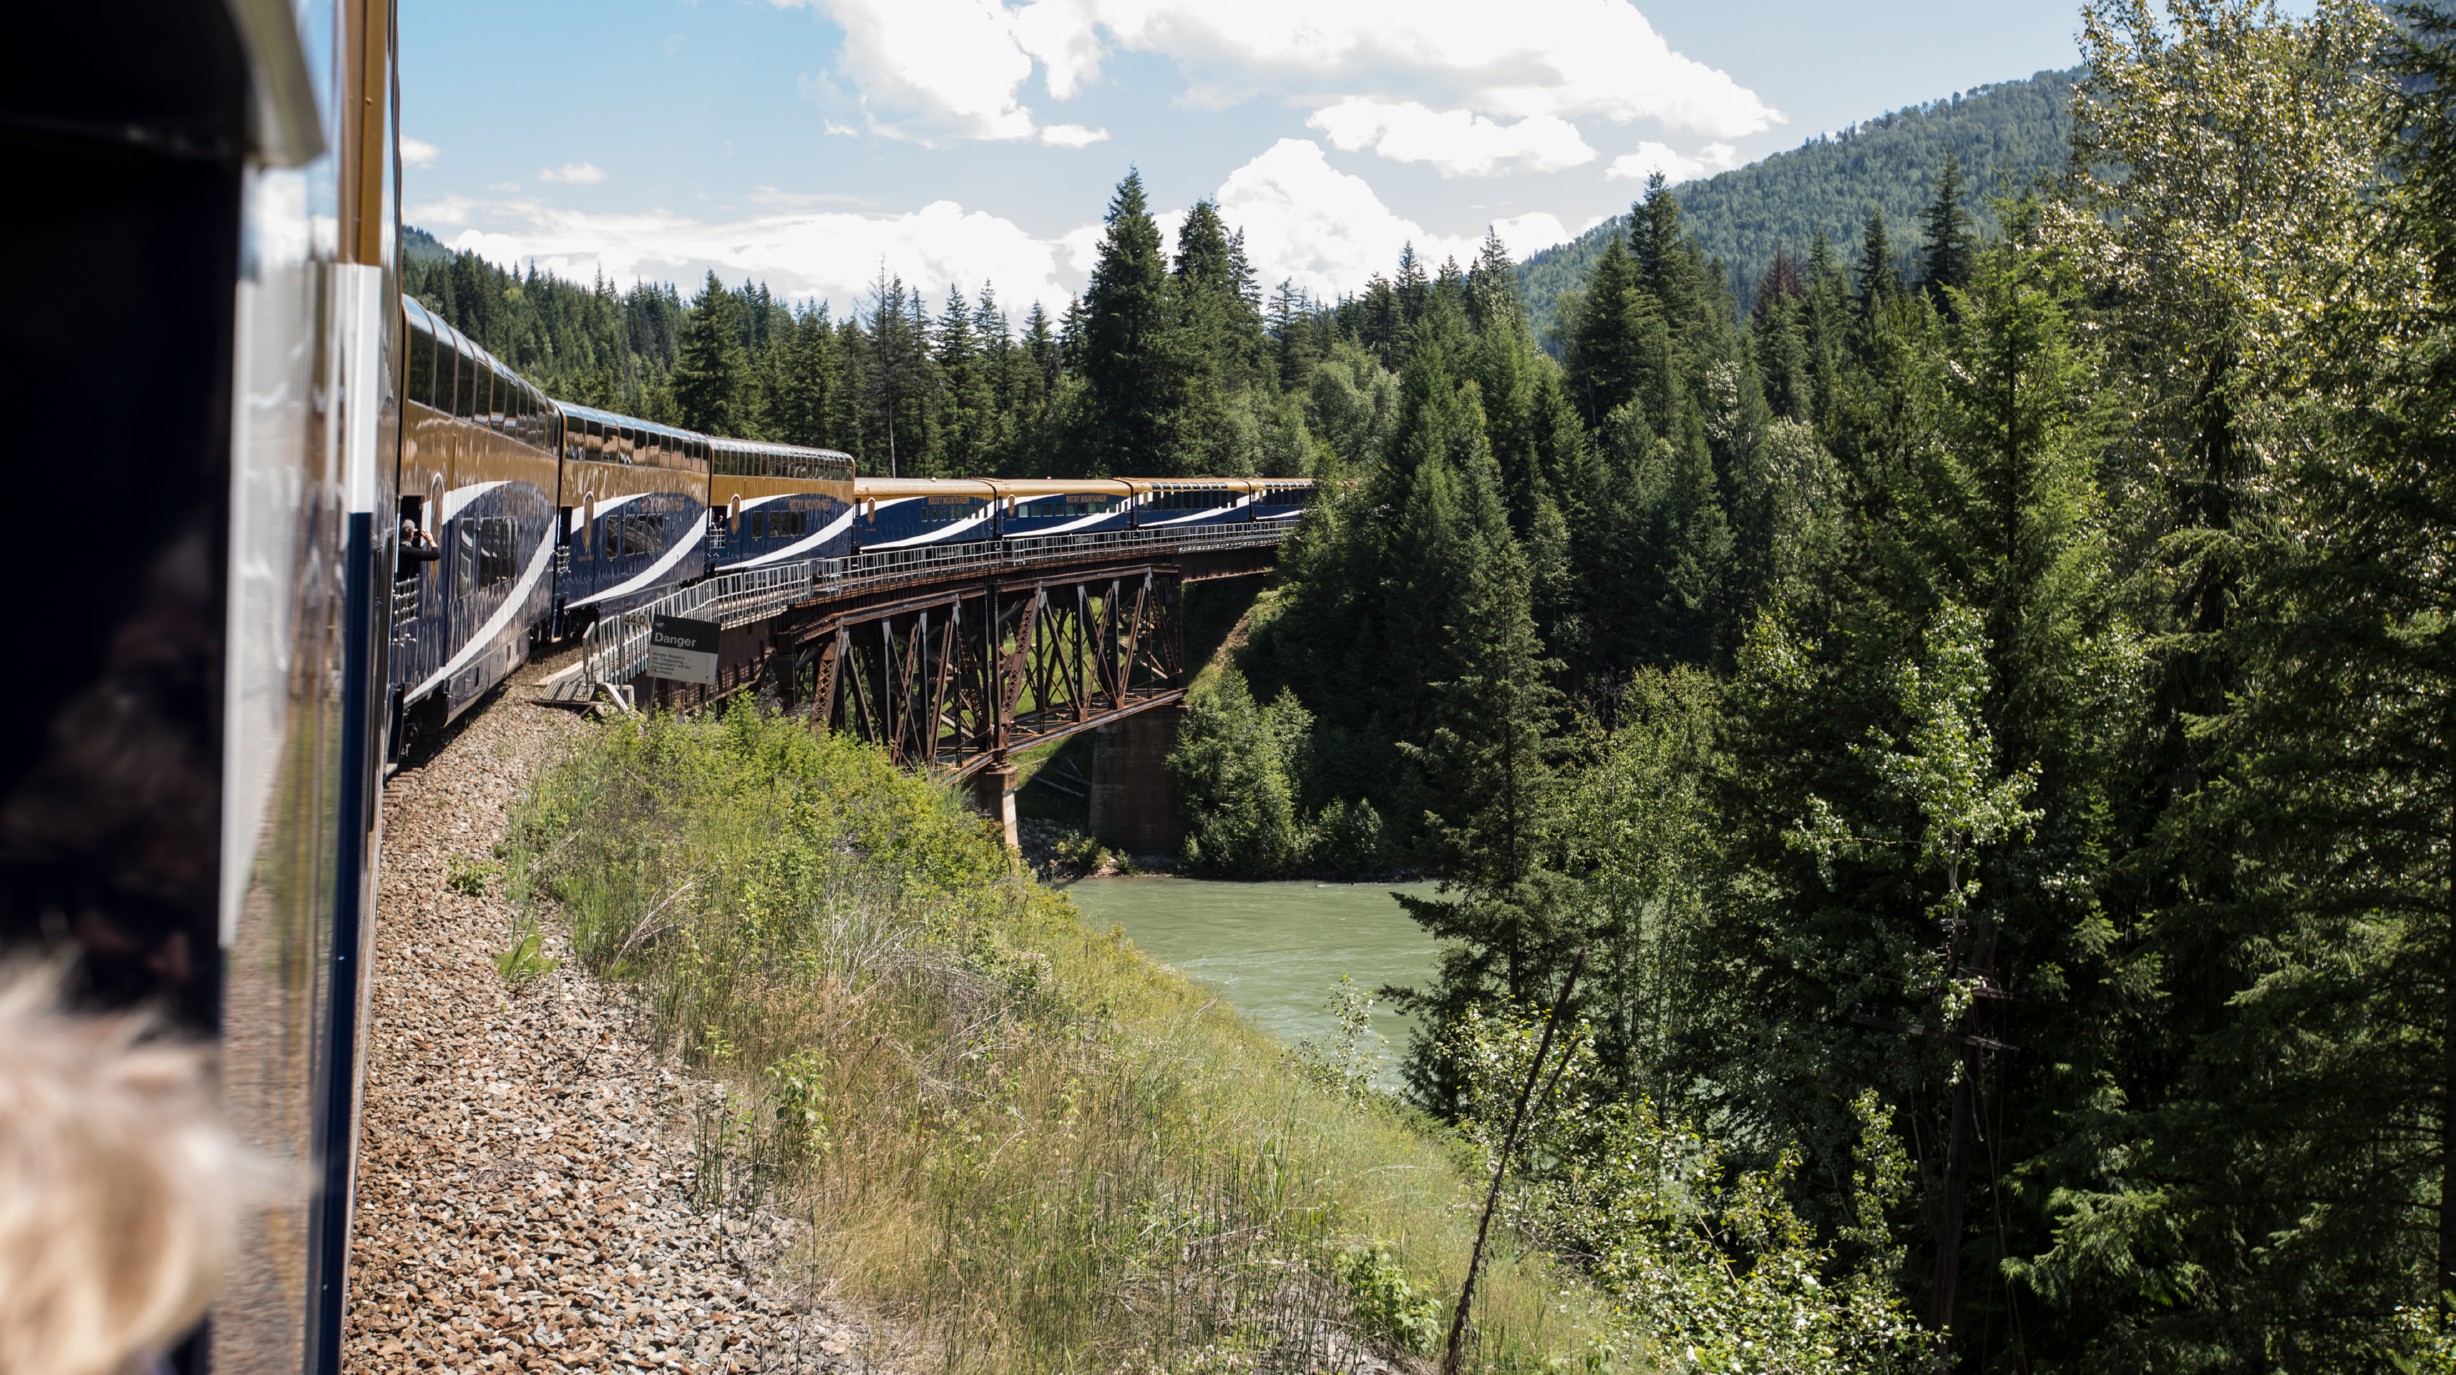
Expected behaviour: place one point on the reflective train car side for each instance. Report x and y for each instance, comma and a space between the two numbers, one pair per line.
634, 513
922, 512
1072, 506
775, 503
1176, 502
472, 578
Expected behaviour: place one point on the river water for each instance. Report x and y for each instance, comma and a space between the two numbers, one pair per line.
1274, 949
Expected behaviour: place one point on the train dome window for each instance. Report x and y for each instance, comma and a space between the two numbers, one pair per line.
419, 384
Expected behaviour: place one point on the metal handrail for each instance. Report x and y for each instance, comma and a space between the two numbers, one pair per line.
615, 649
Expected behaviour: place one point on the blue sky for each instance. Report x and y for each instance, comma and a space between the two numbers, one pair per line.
809, 142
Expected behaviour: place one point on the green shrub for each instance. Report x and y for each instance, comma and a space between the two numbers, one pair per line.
470, 877
1387, 1303
524, 962
1236, 766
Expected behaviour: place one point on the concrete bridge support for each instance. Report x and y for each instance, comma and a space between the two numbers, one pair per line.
1132, 805
993, 791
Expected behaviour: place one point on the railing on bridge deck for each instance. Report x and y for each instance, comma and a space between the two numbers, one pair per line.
615, 650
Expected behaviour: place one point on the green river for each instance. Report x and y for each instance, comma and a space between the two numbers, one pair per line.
1274, 949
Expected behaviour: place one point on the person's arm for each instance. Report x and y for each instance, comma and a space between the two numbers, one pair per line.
418, 547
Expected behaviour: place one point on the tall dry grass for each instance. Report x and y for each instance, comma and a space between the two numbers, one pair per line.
1043, 1151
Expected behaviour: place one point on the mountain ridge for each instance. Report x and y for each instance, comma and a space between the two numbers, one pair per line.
2008, 134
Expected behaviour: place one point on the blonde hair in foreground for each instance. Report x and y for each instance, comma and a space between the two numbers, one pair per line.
119, 1187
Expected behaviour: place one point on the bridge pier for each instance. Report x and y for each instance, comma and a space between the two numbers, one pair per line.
1132, 804
993, 791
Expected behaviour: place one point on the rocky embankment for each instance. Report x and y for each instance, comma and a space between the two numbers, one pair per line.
525, 1192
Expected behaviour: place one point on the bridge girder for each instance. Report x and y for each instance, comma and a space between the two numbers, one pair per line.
954, 678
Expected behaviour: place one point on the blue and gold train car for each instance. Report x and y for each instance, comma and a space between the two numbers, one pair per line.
1062, 506
477, 481
634, 509
920, 512
1281, 499
777, 503
1160, 503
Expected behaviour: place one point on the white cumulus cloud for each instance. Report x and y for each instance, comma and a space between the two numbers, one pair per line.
1457, 143
803, 254
1675, 165
417, 152
1568, 58
1072, 136
1308, 222
1540, 229
930, 69
575, 173
1405, 70
1304, 221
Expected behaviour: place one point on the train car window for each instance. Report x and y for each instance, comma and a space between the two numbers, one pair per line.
494, 551
420, 385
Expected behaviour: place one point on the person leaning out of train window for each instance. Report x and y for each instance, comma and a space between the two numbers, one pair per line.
417, 547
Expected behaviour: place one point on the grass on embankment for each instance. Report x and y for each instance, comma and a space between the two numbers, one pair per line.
1042, 1150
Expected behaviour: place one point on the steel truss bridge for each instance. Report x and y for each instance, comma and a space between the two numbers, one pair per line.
948, 658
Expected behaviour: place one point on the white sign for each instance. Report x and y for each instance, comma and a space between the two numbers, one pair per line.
682, 650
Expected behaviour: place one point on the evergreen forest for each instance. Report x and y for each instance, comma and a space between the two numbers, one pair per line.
1966, 737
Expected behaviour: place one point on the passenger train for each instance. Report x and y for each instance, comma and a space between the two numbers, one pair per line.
542, 516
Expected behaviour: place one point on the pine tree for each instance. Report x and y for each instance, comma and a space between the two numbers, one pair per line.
897, 381
808, 395
1945, 257
1133, 360
1213, 351
1493, 304
967, 425
1294, 342
1493, 812
1604, 336
1876, 279
1411, 288
712, 379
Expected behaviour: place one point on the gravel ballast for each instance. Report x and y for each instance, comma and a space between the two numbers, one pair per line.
526, 1158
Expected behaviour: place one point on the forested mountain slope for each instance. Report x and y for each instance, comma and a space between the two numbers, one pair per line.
2015, 131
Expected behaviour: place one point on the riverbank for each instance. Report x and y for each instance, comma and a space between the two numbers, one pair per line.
1009, 1130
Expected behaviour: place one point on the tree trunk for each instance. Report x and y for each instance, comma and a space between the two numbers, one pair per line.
1953, 1209
2447, 1092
